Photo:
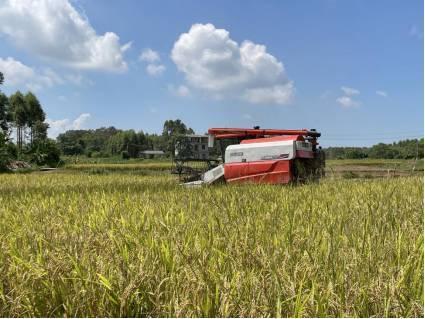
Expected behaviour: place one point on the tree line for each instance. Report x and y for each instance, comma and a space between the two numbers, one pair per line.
110, 141
406, 149
23, 130
105, 142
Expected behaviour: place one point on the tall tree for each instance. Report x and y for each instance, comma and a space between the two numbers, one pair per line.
4, 102
4, 128
35, 114
172, 132
39, 132
19, 115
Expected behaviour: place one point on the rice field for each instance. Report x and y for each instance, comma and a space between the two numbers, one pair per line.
90, 245
121, 167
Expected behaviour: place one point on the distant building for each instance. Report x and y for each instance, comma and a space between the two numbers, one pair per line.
198, 146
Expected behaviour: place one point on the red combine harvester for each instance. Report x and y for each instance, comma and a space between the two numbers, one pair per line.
264, 156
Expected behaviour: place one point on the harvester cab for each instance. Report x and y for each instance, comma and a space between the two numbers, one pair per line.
262, 156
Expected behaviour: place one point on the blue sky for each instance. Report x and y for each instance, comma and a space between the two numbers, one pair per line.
351, 69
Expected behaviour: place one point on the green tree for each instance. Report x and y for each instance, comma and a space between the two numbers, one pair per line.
172, 132
39, 131
35, 115
45, 152
72, 142
19, 114
4, 103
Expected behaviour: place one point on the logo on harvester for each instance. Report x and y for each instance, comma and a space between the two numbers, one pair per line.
273, 157
236, 154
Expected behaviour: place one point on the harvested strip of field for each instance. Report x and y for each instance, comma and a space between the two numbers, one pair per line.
373, 168
122, 245
400, 164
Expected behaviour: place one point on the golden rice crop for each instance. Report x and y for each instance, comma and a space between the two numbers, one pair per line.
122, 245
159, 166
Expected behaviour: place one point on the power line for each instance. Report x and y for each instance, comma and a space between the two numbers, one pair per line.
370, 133
324, 137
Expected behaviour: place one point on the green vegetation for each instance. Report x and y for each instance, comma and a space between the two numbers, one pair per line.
406, 149
112, 142
104, 142
23, 115
124, 245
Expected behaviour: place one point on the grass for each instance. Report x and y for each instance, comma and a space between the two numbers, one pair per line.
122, 245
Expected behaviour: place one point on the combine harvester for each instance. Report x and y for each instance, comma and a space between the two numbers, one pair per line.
264, 156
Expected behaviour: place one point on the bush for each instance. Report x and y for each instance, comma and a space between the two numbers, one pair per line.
4, 154
125, 155
45, 153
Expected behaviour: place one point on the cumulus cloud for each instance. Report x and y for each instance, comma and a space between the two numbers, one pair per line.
57, 127
382, 93
349, 91
152, 57
216, 64
16, 74
149, 55
155, 70
347, 102
55, 30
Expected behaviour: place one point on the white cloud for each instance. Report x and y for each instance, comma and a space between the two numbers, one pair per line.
155, 70
16, 74
349, 91
57, 127
55, 30
79, 122
152, 57
149, 55
214, 63
382, 93
347, 102
181, 90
